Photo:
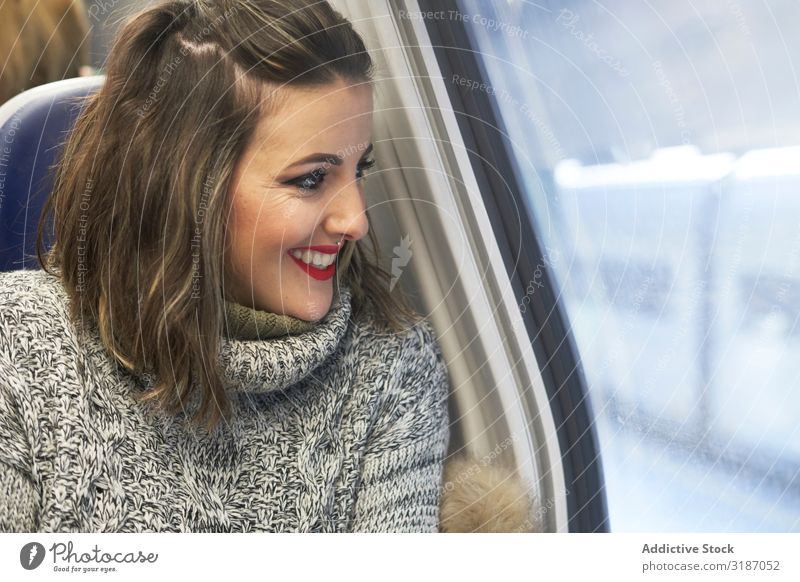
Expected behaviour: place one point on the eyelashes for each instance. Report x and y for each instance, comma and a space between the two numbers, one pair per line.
311, 182
365, 165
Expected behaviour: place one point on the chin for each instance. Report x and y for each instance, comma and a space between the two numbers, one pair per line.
313, 310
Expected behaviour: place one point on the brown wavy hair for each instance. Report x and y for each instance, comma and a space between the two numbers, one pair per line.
155, 150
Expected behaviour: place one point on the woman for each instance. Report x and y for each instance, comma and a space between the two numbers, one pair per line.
210, 346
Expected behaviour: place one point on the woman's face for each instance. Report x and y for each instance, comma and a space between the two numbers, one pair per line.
298, 185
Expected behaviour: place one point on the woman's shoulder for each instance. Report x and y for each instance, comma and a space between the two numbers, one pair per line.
31, 280
373, 332
413, 351
32, 296
409, 374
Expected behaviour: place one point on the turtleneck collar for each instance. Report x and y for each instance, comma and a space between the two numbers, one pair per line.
246, 323
263, 365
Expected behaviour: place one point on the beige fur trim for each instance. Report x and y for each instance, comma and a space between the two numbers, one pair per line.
479, 497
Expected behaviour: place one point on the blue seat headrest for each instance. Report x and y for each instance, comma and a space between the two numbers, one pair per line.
33, 127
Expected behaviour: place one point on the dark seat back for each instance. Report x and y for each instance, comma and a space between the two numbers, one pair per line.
33, 127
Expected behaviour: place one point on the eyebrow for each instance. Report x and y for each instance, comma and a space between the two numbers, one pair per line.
332, 159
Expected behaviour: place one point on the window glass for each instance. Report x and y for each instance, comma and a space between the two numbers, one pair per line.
659, 148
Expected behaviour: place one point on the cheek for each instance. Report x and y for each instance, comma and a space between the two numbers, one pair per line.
259, 227
241, 231
293, 223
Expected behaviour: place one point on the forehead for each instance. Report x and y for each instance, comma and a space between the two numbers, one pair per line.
332, 118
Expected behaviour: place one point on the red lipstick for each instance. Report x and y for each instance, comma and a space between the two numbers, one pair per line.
312, 271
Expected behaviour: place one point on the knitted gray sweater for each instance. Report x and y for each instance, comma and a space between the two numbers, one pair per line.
341, 428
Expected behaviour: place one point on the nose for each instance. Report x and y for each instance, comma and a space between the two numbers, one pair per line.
347, 214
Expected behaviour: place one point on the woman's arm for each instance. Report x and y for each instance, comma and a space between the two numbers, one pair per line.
401, 477
19, 501
19, 498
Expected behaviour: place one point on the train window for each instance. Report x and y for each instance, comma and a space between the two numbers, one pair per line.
427, 206
656, 147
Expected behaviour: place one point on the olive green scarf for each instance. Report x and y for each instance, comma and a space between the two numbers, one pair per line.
246, 323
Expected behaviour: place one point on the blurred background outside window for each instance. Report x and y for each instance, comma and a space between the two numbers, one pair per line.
658, 146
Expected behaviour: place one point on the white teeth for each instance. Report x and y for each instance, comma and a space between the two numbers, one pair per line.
318, 260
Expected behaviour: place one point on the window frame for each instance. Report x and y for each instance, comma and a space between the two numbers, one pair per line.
482, 129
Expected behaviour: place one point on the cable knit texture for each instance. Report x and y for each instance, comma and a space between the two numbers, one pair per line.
341, 428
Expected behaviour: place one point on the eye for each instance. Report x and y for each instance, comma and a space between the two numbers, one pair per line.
309, 182
364, 165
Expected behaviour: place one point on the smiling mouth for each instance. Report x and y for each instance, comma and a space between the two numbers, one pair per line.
316, 264
317, 259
